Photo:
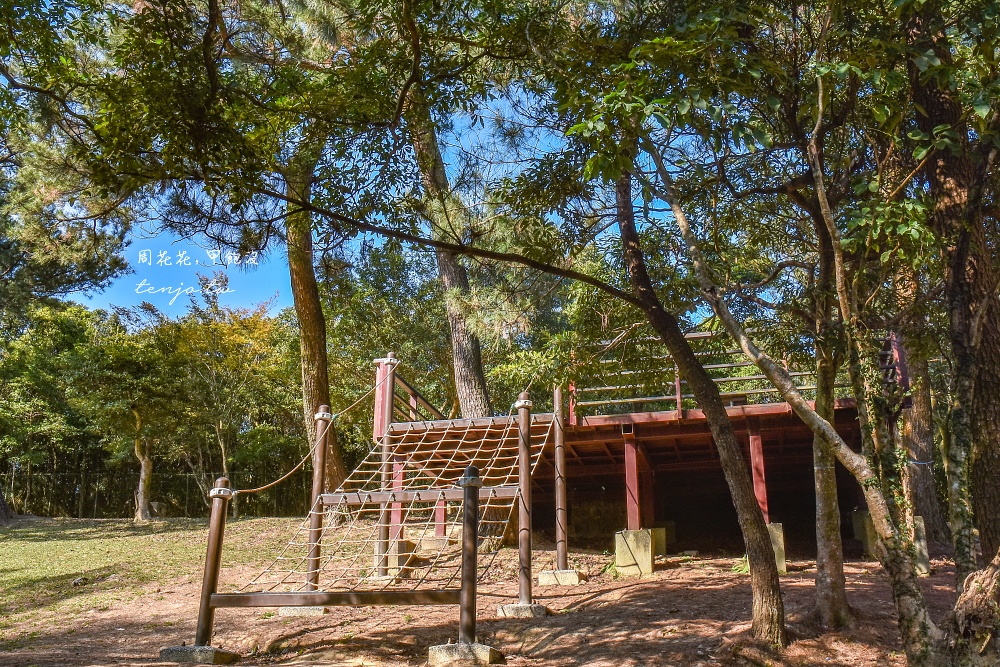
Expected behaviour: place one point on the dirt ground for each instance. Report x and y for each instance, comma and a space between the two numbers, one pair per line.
691, 611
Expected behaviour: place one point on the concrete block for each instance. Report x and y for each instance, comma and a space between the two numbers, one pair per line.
522, 611
659, 541
454, 655
398, 556
302, 611
670, 533
777, 533
923, 559
864, 530
561, 578
433, 543
634, 552
198, 655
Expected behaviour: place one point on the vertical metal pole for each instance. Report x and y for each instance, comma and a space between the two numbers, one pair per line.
388, 397
220, 496
323, 419
471, 482
562, 518
523, 406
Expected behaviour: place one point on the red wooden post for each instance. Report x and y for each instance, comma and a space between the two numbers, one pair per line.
899, 360
757, 465
440, 518
633, 499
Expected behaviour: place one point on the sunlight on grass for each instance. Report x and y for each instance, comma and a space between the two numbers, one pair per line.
71, 566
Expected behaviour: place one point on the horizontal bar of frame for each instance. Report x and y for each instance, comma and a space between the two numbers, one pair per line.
425, 496
341, 599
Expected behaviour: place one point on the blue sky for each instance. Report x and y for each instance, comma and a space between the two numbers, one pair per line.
165, 270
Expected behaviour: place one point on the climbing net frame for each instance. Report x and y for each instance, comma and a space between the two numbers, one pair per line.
395, 524
417, 476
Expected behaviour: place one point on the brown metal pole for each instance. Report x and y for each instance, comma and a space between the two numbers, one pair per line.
471, 482
523, 406
562, 518
323, 419
220, 495
388, 397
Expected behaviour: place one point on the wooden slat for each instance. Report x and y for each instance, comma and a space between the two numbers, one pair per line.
408, 388
322, 599
426, 495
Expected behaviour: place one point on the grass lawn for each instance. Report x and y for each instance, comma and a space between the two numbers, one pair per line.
62, 568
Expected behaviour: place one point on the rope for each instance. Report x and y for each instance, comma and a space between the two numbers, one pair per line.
319, 438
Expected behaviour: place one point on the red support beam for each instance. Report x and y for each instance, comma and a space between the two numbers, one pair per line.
440, 518
757, 465
633, 498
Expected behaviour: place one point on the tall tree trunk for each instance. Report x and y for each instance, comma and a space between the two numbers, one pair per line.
309, 310
449, 220
6, 513
956, 183
918, 440
832, 609
768, 612
985, 473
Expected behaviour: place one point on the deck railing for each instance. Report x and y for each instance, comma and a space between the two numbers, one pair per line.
635, 376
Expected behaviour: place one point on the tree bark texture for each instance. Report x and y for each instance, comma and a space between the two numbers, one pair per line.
957, 179
918, 440
985, 473
768, 612
143, 454
6, 513
449, 219
832, 608
309, 313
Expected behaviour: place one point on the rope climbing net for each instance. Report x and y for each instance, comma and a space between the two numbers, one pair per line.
395, 523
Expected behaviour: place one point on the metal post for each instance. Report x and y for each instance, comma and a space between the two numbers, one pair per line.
562, 518
388, 397
323, 419
523, 406
471, 482
220, 495
678, 395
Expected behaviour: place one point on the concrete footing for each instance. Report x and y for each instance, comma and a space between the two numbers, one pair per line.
302, 611
522, 611
561, 578
454, 655
634, 552
777, 533
198, 655
923, 559
864, 530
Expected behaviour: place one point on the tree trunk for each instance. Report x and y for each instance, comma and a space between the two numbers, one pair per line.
985, 472
918, 440
6, 513
956, 184
309, 313
142, 513
832, 609
768, 614
449, 220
